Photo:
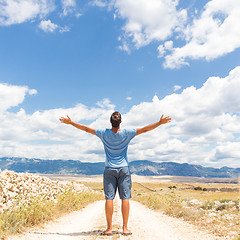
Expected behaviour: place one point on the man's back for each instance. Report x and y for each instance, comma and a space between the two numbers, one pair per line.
116, 145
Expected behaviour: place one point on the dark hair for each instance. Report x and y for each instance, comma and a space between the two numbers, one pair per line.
115, 119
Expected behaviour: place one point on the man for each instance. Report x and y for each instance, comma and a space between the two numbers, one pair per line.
116, 173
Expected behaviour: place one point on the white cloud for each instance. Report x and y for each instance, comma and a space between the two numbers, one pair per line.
48, 26
15, 11
176, 88
147, 21
41, 135
168, 45
162, 49
207, 34
214, 34
105, 103
11, 96
32, 91
68, 6
129, 98
205, 126
229, 150
203, 119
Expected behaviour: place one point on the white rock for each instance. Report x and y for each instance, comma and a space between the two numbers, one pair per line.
19, 188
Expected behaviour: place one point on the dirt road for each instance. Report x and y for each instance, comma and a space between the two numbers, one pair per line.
88, 223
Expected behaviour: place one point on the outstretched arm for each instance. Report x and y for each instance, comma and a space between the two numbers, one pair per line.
77, 125
154, 125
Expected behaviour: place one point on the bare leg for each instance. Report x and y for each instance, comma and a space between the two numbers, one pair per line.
125, 214
109, 213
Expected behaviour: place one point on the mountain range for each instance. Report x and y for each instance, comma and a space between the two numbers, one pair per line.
140, 167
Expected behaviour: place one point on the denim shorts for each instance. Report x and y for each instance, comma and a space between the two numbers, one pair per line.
117, 178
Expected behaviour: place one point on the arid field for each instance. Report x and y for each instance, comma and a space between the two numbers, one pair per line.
212, 204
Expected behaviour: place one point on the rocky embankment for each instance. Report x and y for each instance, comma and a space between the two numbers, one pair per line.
21, 188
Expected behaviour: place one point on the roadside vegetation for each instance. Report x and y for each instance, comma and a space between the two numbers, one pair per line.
41, 210
212, 207
32, 206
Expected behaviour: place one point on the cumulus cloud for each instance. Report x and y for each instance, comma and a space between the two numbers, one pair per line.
147, 21
204, 130
15, 11
203, 119
213, 34
228, 150
11, 96
48, 26
41, 135
207, 34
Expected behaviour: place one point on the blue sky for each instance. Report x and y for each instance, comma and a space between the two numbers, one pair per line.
143, 58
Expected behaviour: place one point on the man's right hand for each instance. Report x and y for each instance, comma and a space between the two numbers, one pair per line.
66, 120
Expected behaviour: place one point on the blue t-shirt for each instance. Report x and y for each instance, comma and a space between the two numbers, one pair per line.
116, 145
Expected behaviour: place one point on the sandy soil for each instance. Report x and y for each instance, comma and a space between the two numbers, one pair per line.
88, 223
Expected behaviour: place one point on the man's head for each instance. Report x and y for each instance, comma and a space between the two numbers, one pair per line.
115, 119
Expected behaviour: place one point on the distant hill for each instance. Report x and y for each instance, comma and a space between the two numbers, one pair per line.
184, 169
51, 166
141, 167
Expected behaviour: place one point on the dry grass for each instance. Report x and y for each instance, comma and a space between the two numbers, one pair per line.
216, 212
96, 186
40, 210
